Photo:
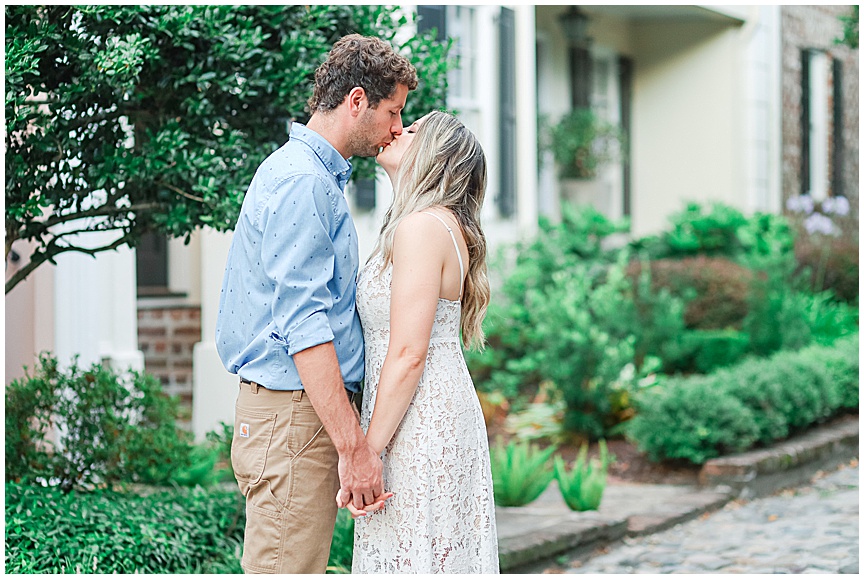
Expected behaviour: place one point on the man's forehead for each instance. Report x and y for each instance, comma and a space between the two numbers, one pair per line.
399, 96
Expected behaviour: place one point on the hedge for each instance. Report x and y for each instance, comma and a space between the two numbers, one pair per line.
755, 402
178, 531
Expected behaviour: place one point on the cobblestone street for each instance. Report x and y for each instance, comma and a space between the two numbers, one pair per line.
812, 529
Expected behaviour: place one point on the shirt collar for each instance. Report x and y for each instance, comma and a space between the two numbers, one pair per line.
337, 165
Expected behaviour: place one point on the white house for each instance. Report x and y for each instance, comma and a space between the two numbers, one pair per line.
696, 88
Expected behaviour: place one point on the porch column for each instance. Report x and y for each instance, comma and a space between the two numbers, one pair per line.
214, 389
95, 306
526, 119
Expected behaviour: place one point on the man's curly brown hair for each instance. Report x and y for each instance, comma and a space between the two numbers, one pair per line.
364, 61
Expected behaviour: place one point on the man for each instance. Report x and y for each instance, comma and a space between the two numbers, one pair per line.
287, 321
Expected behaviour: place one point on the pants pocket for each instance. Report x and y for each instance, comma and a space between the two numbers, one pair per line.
305, 428
253, 433
262, 543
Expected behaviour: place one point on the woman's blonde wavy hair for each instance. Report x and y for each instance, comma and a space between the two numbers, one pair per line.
444, 166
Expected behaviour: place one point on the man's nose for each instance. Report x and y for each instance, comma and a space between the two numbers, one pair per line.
396, 128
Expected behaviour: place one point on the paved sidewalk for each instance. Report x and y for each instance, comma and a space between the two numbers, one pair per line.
533, 536
548, 527
809, 530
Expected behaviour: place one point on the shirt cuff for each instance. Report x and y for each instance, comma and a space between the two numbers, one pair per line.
312, 331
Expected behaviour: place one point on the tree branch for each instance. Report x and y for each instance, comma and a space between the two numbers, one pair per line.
180, 192
101, 211
41, 258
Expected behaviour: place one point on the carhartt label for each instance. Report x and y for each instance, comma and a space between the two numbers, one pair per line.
244, 430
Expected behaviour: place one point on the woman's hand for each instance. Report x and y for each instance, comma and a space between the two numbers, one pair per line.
355, 512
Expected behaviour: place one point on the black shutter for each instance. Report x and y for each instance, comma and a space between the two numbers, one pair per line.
837, 160
507, 108
625, 78
151, 264
805, 122
364, 194
429, 17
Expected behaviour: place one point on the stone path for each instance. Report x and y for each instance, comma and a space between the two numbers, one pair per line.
813, 529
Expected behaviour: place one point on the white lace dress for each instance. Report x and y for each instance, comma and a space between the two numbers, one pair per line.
442, 517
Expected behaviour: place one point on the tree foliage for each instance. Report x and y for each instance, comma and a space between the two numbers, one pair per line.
129, 119
850, 28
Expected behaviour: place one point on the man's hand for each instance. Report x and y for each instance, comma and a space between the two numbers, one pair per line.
360, 477
341, 503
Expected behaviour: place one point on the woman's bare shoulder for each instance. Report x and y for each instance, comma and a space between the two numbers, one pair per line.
419, 230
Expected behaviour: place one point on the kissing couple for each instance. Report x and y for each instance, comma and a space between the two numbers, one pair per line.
303, 326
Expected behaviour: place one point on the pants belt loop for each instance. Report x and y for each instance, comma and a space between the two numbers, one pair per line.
254, 386
298, 395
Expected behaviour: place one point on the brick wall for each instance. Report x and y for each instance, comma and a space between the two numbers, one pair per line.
817, 27
166, 336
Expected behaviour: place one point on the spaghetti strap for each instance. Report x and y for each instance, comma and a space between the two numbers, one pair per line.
458, 253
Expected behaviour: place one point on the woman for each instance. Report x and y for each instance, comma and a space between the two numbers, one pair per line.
426, 280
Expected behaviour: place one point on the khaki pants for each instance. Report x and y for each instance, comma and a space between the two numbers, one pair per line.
286, 466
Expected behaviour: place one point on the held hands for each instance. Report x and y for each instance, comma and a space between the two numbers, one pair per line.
343, 501
361, 483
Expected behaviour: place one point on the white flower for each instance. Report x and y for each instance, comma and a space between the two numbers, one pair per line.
818, 223
800, 204
840, 205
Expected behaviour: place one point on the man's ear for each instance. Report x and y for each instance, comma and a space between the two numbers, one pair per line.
357, 100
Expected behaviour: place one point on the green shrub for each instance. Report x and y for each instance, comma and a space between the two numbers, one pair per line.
703, 351
582, 487
690, 419
589, 329
538, 421
718, 229
596, 324
835, 260
707, 231
766, 234
111, 428
182, 531
583, 142
826, 318
841, 363
773, 319
715, 289
759, 400
520, 472
342, 548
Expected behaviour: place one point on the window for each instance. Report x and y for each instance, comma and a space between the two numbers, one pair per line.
462, 80
152, 265
429, 17
364, 194
821, 125
460, 24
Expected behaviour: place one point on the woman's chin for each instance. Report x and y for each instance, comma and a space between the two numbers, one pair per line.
381, 158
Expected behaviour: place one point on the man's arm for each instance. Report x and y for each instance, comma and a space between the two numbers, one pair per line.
298, 255
359, 466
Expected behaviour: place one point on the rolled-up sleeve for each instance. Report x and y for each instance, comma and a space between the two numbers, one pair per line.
298, 257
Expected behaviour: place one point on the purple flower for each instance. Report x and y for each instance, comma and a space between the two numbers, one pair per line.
819, 223
800, 204
837, 205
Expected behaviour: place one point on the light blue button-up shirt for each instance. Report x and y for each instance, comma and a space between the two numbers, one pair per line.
290, 281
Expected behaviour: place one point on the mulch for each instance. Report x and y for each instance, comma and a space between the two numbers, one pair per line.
630, 464
633, 466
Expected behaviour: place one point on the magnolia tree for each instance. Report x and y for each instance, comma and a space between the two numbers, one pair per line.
129, 119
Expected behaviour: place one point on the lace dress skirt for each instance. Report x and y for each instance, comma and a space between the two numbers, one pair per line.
442, 516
